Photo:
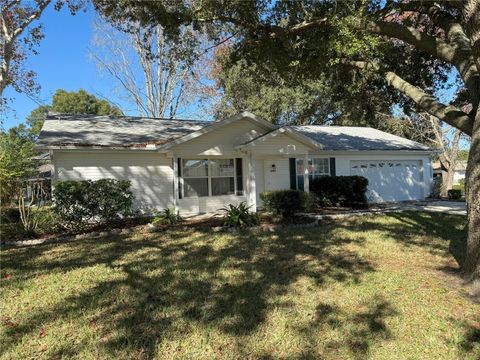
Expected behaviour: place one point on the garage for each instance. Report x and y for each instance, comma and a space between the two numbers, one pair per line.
390, 180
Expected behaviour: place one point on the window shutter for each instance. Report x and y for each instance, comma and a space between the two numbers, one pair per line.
293, 173
179, 176
332, 167
239, 174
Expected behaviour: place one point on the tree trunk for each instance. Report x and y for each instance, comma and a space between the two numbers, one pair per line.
471, 267
447, 180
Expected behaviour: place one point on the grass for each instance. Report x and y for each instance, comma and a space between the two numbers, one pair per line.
379, 287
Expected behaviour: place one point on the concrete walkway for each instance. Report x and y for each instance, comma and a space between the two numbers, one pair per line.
447, 207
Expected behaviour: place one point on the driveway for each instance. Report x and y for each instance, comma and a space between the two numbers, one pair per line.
448, 207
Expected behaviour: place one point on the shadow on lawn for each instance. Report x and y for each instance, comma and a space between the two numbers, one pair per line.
180, 278
415, 229
168, 280
359, 330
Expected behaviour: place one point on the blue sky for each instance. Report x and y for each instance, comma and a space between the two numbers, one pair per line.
63, 63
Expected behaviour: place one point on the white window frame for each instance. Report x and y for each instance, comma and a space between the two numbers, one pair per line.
209, 176
182, 163
220, 177
313, 175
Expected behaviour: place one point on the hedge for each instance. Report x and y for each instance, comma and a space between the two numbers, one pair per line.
340, 190
454, 194
285, 202
80, 203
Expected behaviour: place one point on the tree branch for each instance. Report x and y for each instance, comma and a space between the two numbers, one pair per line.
424, 42
35, 15
448, 113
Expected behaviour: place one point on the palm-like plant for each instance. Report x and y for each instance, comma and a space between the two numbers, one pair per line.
238, 215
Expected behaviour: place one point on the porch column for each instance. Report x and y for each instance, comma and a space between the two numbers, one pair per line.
306, 184
251, 188
175, 183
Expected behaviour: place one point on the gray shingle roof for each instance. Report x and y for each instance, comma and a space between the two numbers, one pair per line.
109, 131
349, 138
125, 131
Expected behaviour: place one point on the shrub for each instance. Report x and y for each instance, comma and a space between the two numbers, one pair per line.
167, 216
79, 203
285, 202
13, 231
9, 214
48, 222
238, 215
454, 194
340, 190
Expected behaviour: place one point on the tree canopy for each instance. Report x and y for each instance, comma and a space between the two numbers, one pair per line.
404, 49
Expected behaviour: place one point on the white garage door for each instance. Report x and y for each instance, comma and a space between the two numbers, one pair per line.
390, 180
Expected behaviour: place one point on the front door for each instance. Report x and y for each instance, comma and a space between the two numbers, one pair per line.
276, 174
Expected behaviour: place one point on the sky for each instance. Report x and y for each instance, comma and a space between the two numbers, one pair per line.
64, 63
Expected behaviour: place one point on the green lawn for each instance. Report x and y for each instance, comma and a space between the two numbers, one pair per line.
381, 287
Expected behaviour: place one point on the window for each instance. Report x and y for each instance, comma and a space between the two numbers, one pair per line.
212, 177
300, 172
318, 167
195, 177
223, 177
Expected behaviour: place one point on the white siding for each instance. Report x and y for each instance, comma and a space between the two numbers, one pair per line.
207, 204
220, 142
279, 144
151, 174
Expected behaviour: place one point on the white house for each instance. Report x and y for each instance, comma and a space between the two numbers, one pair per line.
458, 175
198, 166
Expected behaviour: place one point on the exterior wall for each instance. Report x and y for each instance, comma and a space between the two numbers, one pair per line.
207, 204
220, 142
150, 173
153, 179
279, 144
458, 175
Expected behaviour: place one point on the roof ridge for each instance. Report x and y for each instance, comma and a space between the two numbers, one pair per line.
80, 117
336, 126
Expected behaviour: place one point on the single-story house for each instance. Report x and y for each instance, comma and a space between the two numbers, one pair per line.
458, 175
200, 166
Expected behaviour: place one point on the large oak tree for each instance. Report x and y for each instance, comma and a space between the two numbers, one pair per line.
410, 45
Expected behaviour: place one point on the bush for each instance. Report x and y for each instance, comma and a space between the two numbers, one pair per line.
167, 216
13, 231
48, 222
9, 214
454, 194
340, 190
79, 203
238, 215
285, 202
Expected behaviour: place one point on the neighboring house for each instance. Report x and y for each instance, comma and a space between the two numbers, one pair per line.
198, 166
458, 175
